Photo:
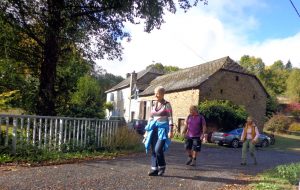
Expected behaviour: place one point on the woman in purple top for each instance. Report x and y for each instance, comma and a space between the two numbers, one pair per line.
195, 128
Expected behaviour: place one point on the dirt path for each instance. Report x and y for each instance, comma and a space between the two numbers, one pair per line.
217, 167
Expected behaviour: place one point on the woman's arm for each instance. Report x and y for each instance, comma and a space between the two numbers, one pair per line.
185, 127
256, 133
243, 134
170, 119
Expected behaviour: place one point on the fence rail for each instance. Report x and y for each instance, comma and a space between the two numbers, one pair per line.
53, 133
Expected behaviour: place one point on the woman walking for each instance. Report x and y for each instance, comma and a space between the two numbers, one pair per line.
159, 131
249, 138
194, 131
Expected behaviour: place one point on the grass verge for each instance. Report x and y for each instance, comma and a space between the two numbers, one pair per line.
286, 142
124, 142
282, 177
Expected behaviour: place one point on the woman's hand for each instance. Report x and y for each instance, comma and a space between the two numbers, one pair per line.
170, 135
253, 141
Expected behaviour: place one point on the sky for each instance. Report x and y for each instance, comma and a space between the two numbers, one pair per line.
268, 29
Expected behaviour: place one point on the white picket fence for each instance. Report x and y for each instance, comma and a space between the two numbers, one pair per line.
52, 133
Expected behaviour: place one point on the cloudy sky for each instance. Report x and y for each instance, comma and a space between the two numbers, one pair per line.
261, 28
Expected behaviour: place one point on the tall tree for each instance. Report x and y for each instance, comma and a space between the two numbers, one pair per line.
253, 64
277, 65
55, 25
275, 77
165, 69
293, 85
289, 66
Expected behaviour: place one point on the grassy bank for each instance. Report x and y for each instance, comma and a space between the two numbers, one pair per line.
282, 177
286, 143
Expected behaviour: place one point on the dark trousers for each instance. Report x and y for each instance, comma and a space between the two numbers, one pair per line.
157, 158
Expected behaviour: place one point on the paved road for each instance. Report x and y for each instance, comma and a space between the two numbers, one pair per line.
217, 166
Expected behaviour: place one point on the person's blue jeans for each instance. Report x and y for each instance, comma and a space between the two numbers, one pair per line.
157, 158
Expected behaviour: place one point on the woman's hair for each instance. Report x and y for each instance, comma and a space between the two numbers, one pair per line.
193, 107
160, 89
249, 118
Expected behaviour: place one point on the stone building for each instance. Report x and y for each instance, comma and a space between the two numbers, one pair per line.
221, 79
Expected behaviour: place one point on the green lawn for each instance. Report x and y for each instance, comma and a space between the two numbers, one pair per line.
286, 143
282, 176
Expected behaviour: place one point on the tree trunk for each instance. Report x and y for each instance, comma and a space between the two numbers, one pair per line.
47, 98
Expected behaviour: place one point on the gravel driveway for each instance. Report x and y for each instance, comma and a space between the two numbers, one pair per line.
217, 166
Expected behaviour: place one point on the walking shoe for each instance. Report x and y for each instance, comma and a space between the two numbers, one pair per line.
193, 163
188, 161
243, 164
153, 173
161, 172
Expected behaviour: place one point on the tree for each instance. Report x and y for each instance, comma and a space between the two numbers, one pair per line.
293, 85
109, 106
277, 65
165, 69
275, 77
289, 66
224, 113
53, 26
87, 100
252, 64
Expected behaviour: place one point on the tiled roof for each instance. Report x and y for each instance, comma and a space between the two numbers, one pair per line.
140, 86
193, 76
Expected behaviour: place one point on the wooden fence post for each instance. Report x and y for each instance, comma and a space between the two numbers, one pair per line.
14, 134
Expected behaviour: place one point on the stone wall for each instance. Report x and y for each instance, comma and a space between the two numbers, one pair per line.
239, 88
180, 102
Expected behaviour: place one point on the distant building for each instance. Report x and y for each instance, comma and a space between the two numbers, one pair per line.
134, 84
221, 79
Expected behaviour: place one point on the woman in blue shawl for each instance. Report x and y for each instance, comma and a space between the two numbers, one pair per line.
159, 131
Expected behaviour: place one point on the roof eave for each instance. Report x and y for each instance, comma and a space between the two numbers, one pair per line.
119, 88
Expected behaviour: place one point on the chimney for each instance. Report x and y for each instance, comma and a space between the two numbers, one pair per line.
133, 81
128, 75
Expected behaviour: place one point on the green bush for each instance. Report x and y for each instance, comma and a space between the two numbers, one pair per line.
179, 137
125, 139
226, 114
278, 123
272, 106
290, 172
294, 127
295, 113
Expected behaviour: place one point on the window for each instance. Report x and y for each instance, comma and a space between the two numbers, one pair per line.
221, 91
236, 78
254, 96
111, 98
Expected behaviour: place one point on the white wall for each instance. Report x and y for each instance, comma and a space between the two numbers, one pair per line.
121, 103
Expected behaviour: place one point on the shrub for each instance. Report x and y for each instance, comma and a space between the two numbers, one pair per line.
227, 115
295, 113
290, 172
126, 139
278, 123
294, 127
294, 109
272, 106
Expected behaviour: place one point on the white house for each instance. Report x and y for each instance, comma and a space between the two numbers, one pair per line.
124, 95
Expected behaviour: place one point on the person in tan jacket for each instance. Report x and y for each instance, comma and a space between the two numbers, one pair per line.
249, 138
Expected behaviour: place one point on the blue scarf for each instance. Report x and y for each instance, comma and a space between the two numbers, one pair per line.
162, 131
